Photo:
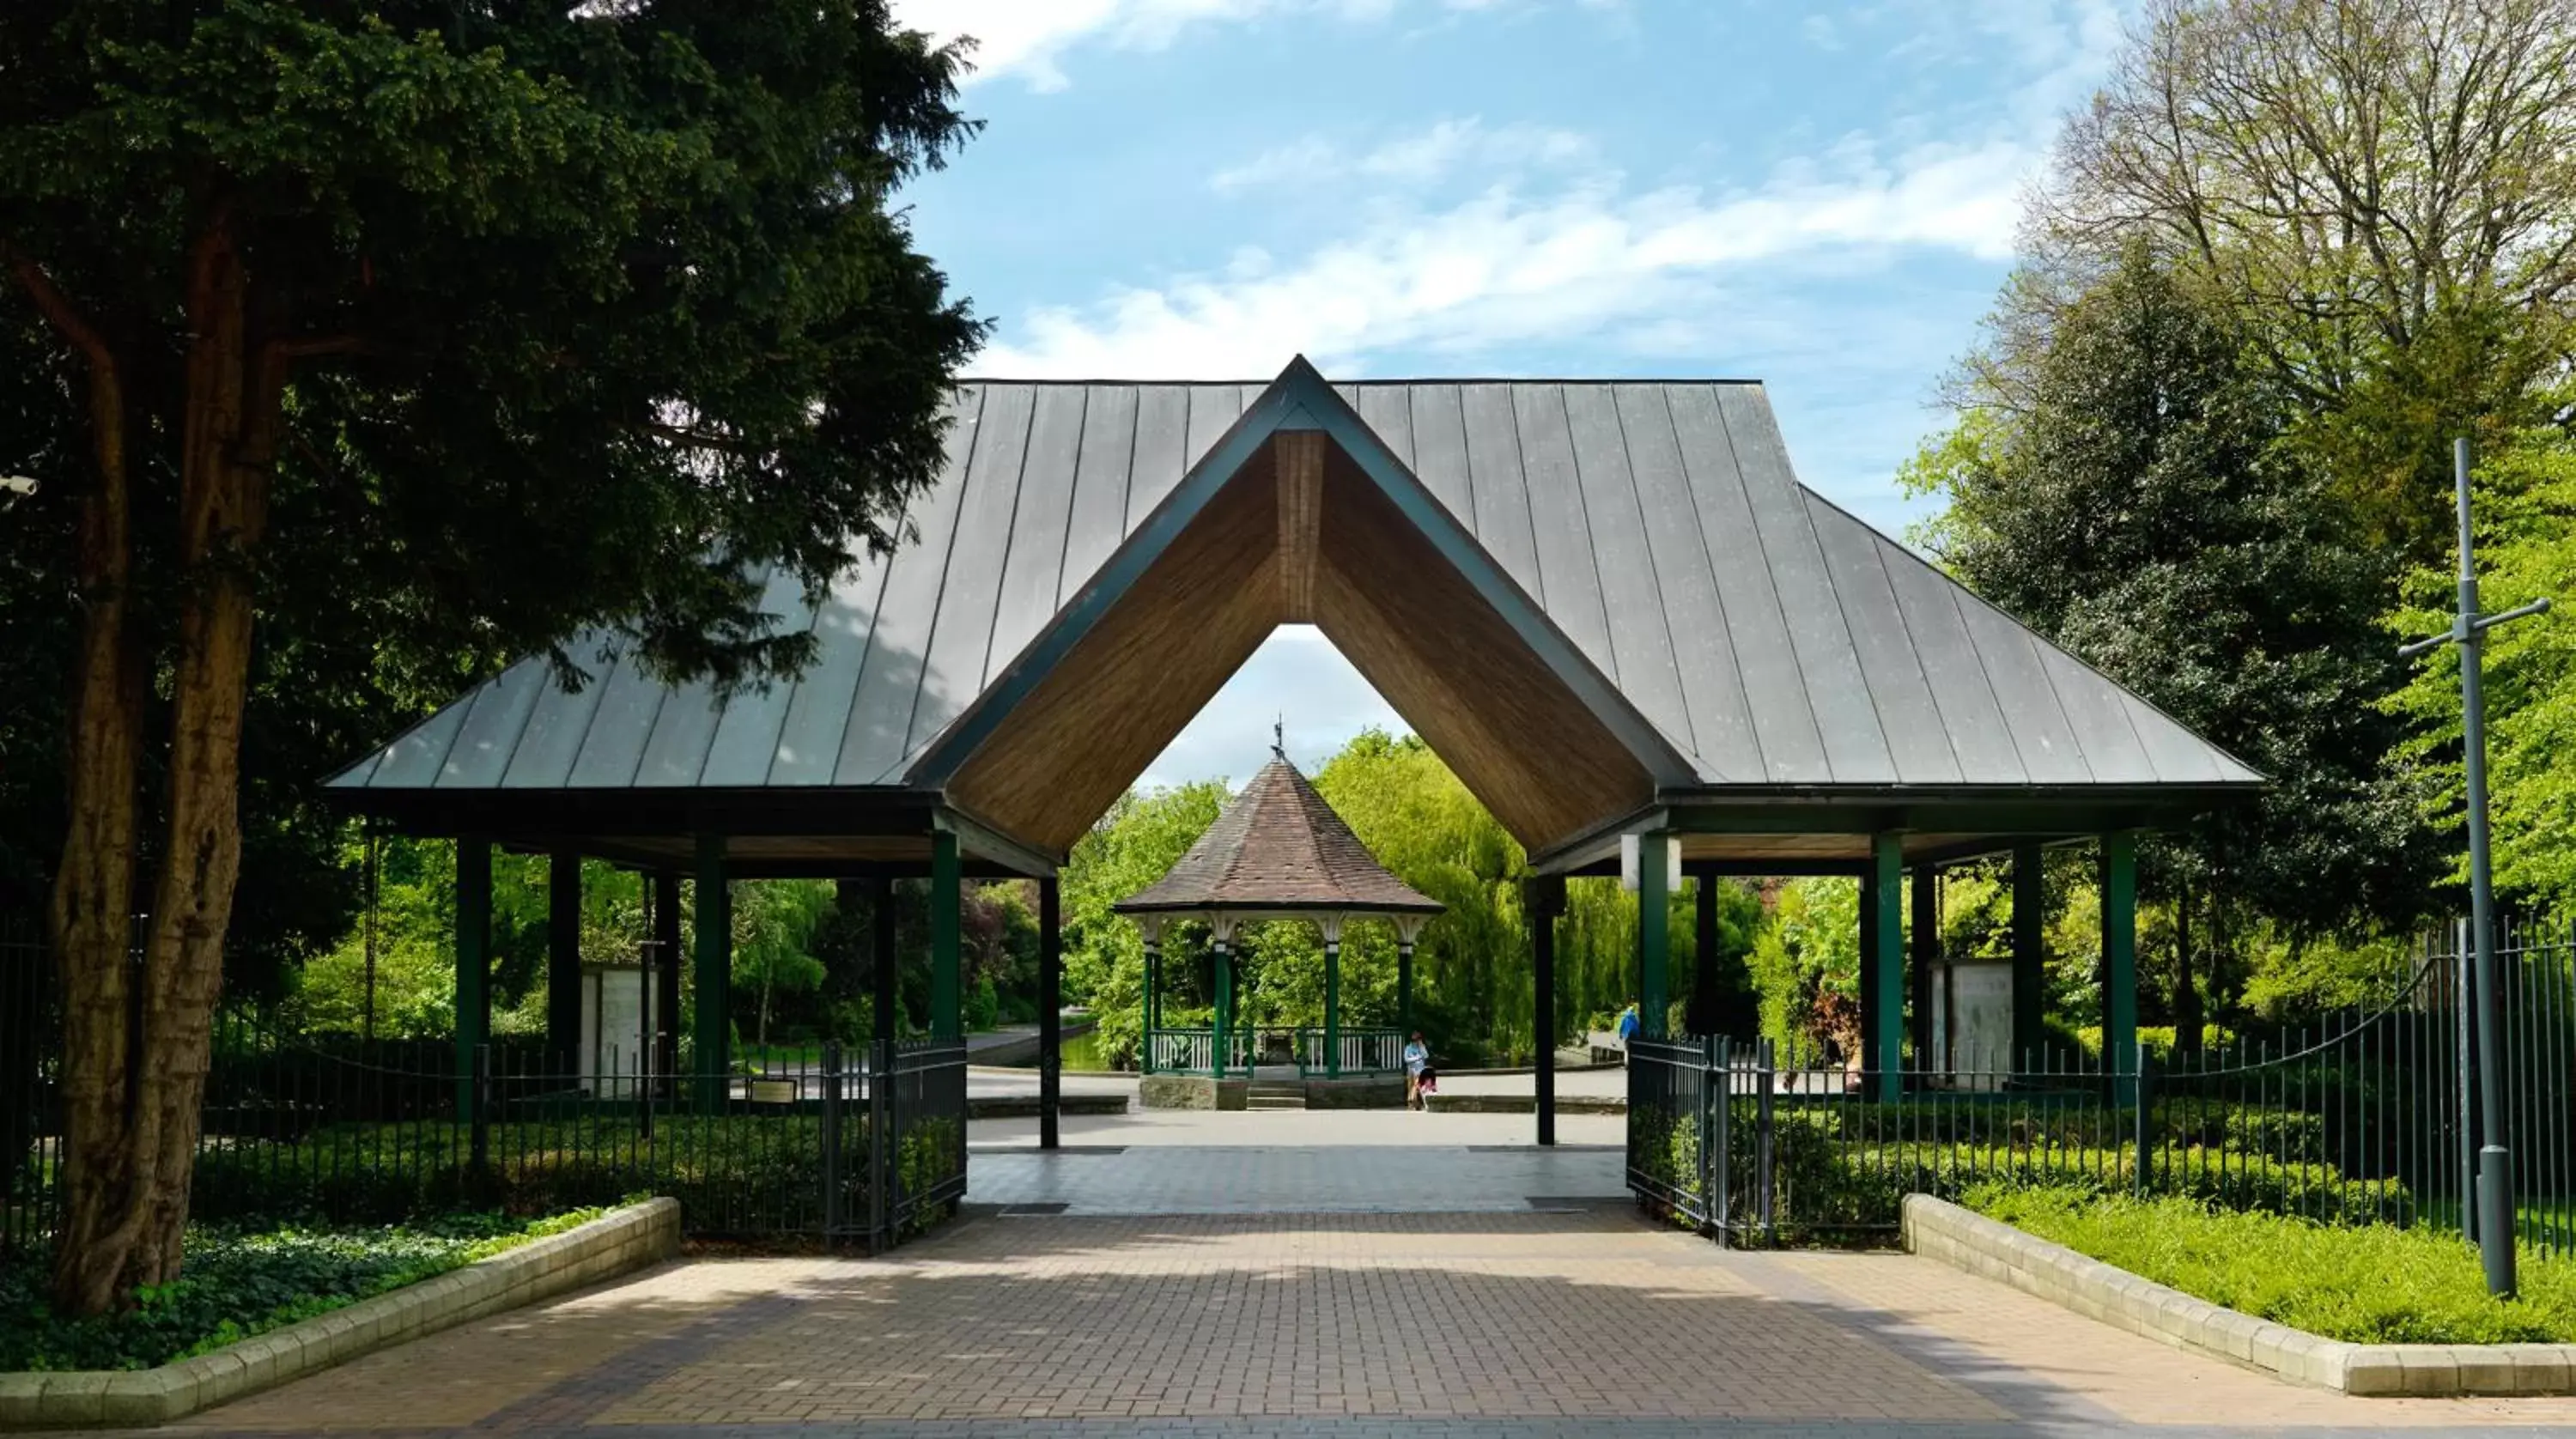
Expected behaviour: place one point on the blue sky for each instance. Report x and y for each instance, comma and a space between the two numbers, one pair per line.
1822, 197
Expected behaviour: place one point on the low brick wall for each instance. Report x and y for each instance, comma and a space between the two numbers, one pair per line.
1025, 1106
1373, 1091
1527, 1104
1192, 1091
608, 1246
1937, 1229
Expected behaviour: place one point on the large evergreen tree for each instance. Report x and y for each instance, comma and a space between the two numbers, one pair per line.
536, 316
2142, 510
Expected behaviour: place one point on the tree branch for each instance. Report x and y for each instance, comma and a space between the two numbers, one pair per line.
59, 309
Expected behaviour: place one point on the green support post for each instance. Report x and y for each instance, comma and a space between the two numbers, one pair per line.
947, 948
1404, 984
1869, 1001
1887, 959
2120, 956
1923, 932
1223, 1021
1333, 1003
1151, 1000
473, 964
2029, 957
712, 921
563, 966
1654, 933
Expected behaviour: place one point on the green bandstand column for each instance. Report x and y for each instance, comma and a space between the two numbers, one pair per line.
1869, 1003
1654, 933
1151, 1002
885, 967
1886, 959
473, 962
2029, 957
1924, 932
1333, 1002
563, 967
1404, 980
947, 947
1222, 1024
2119, 879
712, 929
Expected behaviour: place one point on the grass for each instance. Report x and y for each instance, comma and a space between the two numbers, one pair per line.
2368, 1283
244, 1280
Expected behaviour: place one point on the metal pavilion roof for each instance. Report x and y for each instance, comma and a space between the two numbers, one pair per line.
1770, 639
1279, 846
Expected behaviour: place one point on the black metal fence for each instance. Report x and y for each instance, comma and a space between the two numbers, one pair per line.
2356, 1117
859, 1147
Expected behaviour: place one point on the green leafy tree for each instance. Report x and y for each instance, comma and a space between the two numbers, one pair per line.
1144, 834
558, 315
2525, 493
2143, 511
2377, 192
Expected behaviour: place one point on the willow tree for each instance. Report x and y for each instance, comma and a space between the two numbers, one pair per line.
589, 313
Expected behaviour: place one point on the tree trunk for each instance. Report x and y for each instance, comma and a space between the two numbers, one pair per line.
122, 1226
91, 915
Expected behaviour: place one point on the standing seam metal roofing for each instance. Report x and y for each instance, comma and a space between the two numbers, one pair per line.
1769, 636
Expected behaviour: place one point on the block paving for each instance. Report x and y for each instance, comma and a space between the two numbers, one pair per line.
1575, 1320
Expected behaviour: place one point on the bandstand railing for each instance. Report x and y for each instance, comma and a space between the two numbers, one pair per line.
1362, 1051
1193, 1051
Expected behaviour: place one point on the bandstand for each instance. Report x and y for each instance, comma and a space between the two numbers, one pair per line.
1276, 852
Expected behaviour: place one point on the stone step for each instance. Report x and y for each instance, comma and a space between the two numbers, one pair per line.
1276, 1096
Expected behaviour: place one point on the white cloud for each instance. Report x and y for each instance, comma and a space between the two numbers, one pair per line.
1419, 158
1509, 266
1296, 679
1027, 38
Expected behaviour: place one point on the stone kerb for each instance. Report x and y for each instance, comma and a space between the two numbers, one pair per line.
1937, 1229
610, 1245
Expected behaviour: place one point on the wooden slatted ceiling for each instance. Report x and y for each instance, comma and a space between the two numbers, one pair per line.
1764, 634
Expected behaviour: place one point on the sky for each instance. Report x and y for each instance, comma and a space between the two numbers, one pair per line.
1821, 197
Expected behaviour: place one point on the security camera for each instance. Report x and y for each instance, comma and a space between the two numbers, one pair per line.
17, 485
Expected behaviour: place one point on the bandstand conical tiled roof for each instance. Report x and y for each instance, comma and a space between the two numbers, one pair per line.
1279, 846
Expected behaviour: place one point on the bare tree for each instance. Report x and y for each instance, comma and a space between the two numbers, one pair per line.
2355, 168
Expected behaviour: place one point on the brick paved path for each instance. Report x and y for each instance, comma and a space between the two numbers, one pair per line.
1528, 1325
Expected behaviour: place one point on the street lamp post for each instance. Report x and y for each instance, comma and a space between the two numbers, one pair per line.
2495, 1163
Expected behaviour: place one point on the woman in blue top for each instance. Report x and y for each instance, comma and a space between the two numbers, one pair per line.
1417, 1058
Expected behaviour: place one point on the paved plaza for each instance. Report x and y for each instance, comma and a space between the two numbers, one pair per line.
1442, 1287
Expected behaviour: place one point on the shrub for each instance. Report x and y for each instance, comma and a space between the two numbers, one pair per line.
245, 1280
2368, 1284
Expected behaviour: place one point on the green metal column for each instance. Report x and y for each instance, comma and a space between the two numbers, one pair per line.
1886, 958
885, 967
1654, 933
1704, 1009
563, 966
947, 942
2120, 957
473, 963
1150, 1002
1869, 1000
1223, 1022
1404, 984
2029, 956
713, 931
1050, 1012
1546, 900
1333, 1004
1924, 936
